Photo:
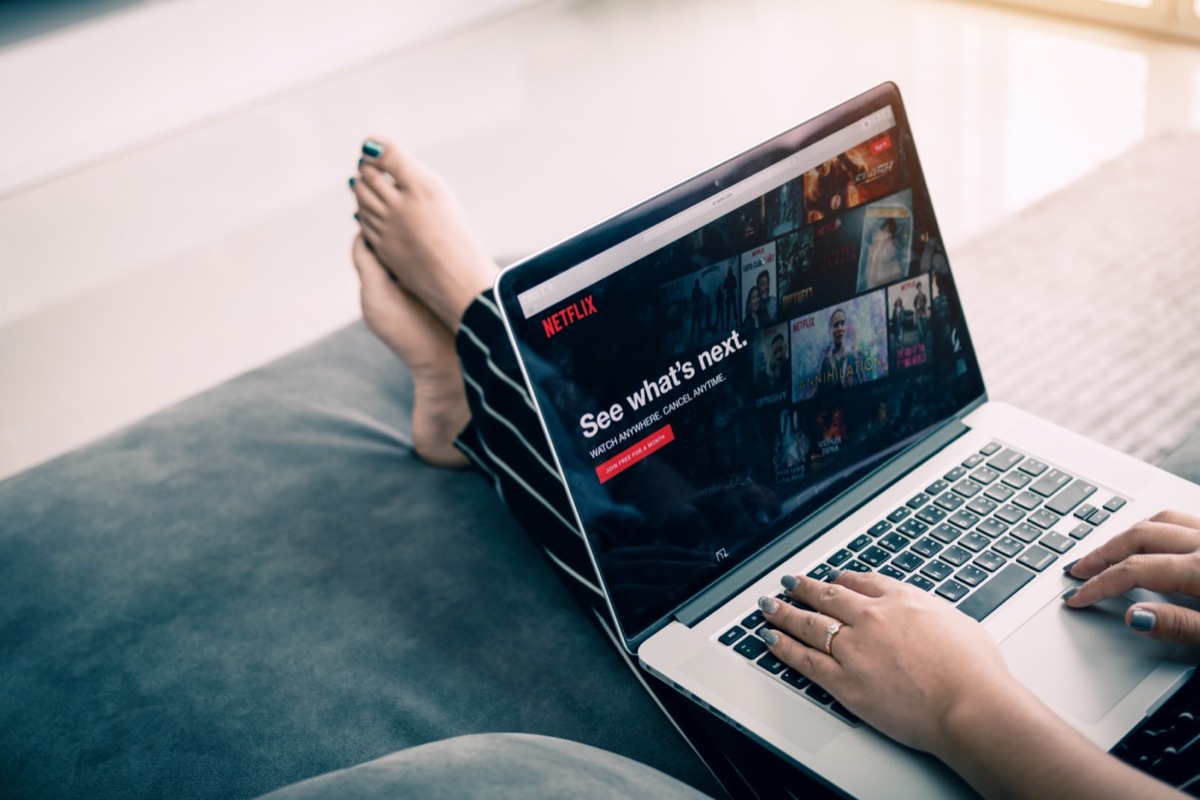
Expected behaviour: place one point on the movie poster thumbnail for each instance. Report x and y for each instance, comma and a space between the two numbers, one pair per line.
697, 309
863, 173
839, 347
831, 430
795, 256
910, 307
886, 242
785, 208
836, 245
760, 301
744, 225
772, 372
793, 447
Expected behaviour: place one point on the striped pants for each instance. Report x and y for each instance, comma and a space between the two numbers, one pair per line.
505, 441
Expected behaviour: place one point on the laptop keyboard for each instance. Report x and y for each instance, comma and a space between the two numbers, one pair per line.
973, 537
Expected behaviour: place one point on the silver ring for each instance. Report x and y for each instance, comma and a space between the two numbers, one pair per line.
831, 632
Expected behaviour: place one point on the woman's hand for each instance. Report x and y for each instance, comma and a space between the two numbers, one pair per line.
1161, 554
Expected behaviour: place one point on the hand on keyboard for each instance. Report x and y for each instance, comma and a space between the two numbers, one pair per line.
1161, 554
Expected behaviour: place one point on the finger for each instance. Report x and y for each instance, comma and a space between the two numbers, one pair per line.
811, 663
1156, 572
833, 599
1164, 621
811, 628
367, 198
870, 584
1147, 536
1174, 517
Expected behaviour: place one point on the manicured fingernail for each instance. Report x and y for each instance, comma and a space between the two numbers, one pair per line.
790, 582
1141, 620
769, 605
769, 636
1068, 567
835, 574
1069, 593
352, 182
372, 149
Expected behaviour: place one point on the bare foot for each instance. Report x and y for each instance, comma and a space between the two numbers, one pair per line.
440, 410
418, 231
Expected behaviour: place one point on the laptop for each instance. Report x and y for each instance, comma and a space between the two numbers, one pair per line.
767, 370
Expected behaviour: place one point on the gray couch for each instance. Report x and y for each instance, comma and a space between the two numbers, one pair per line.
263, 584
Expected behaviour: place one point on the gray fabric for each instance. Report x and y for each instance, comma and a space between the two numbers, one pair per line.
496, 767
263, 584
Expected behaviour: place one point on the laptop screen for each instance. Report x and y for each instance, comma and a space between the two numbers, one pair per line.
716, 364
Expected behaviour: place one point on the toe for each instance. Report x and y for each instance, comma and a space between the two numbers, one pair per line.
395, 161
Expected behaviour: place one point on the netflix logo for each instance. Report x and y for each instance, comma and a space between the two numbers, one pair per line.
569, 315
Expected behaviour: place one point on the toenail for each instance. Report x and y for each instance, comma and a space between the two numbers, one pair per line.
372, 149
352, 182
360, 162
356, 219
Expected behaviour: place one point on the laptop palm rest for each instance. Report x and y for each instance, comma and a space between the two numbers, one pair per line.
1066, 656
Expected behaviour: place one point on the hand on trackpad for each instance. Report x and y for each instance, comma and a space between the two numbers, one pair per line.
1082, 661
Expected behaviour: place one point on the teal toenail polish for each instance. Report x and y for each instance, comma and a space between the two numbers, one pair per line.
352, 182
372, 149
1141, 620
356, 219
360, 162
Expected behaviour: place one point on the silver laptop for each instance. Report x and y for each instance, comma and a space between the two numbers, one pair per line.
767, 370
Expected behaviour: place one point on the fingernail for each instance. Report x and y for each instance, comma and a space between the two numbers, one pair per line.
834, 575
769, 605
352, 182
372, 149
1068, 567
790, 582
1067, 595
769, 636
1141, 620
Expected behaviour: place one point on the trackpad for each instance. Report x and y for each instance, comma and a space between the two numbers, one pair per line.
1082, 661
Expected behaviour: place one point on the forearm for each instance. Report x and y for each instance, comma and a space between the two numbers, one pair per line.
1018, 748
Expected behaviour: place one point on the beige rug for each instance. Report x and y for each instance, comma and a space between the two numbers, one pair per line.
1085, 307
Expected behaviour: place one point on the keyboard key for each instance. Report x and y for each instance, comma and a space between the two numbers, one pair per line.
1005, 460
840, 557
1115, 505
1044, 519
908, 561
990, 560
963, 518
920, 582
891, 572
894, 542
794, 678
990, 449
820, 695
1098, 516
937, 487
1017, 480
1007, 546
954, 474
820, 572
984, 475
1037, 558
912, 529
956, 555
750, 647
1070, 497
771, 664
1084, 511
880, 528
991, 594
953, 591
981, 506
992, 527
946, 533
972, 461
967, 488
1057, 542
1010, 514
732, 635
845, 713
931, 515
974, 541
899, 514
972, 576
860, 542
874, 555
937, 571
1050, 483
1000, 493
1033, 467
856, 566
753, 621
1027, 500
1025, 532
949, 501
927, 547
917, 501
1081, 530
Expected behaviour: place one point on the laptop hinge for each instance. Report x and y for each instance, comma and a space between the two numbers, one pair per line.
849, 501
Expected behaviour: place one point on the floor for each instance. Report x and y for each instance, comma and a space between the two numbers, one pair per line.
173, 201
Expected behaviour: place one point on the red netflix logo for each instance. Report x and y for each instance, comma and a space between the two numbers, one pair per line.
569, 315
881, 144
